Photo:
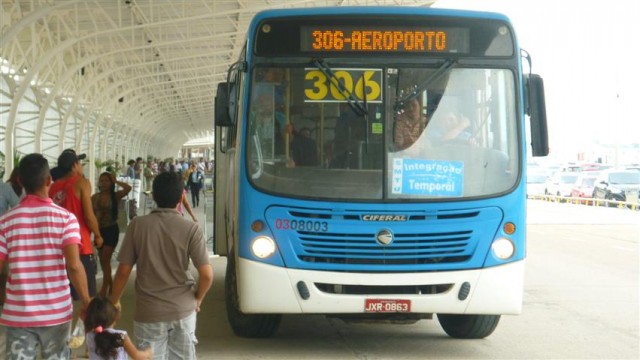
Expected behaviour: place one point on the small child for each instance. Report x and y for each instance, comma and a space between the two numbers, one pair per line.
105, 342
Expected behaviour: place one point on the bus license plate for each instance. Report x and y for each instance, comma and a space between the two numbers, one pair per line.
387, 306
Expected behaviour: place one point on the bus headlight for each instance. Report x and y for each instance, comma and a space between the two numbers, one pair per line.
503, 248
263, 247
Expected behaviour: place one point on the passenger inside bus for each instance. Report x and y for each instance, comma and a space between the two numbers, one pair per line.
350, 130
269, 125
409, 124
304, 149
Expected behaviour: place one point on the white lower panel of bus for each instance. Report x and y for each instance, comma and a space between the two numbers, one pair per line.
266, 289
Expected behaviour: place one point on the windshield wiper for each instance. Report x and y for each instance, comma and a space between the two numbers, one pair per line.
354, 104
443, 69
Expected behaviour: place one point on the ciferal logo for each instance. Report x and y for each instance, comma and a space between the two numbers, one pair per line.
384, 237
379, 217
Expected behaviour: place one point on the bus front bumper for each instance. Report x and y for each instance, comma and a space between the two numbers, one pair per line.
268, 289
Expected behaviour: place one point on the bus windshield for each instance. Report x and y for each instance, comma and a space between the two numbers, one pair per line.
391, 132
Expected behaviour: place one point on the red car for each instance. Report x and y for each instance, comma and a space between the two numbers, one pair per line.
583, 187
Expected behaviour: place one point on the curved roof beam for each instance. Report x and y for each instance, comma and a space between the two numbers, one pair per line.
74, 69
97, 26
45, 58
32, 17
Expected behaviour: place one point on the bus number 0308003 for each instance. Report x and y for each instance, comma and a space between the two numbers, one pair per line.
302, 225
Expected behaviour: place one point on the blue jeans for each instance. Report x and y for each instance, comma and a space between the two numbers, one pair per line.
24, 343
170, 339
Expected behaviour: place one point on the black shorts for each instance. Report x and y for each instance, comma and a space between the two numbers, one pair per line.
110, 235
90, 267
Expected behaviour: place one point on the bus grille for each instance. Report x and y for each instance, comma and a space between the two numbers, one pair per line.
356, 248
346, 241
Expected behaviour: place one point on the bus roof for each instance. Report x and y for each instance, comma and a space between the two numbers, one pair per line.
377, 10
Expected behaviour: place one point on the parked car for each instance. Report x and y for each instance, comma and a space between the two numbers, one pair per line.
617, 185
561, 183
583, 187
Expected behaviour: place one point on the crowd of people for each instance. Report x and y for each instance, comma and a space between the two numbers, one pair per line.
53, 230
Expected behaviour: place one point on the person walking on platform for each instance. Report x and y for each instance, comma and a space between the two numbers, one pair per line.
11, 193
195, 183
137, 168
43, 319
183, 204
161, 245
149, 173
105, 205
8, 197
103, 340
131, 169
15, 184
73, 192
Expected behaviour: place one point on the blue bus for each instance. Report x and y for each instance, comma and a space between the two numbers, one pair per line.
370, 165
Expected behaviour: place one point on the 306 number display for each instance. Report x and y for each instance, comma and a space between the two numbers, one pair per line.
358, 82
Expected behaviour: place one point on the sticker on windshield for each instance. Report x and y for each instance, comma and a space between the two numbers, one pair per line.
427, 177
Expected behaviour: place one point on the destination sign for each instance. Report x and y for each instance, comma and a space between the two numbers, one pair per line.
384, 39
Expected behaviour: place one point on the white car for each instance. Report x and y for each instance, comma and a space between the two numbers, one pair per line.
561, 183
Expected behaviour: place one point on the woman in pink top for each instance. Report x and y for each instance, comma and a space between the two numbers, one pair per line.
184, 204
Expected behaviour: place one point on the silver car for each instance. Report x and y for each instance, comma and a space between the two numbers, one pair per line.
617, 185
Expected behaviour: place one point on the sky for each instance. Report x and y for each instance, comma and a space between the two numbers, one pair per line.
588, 55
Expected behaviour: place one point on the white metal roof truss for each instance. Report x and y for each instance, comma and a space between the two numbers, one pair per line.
120, 78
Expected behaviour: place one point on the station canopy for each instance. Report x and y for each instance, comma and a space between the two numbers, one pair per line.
120, 78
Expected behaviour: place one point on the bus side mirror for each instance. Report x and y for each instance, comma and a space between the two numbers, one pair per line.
222, 113
536, 109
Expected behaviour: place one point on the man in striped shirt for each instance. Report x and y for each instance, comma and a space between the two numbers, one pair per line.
40, 242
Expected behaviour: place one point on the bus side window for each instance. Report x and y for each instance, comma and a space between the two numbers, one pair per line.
229, 135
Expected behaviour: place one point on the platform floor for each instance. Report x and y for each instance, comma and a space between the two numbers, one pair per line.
205, 348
